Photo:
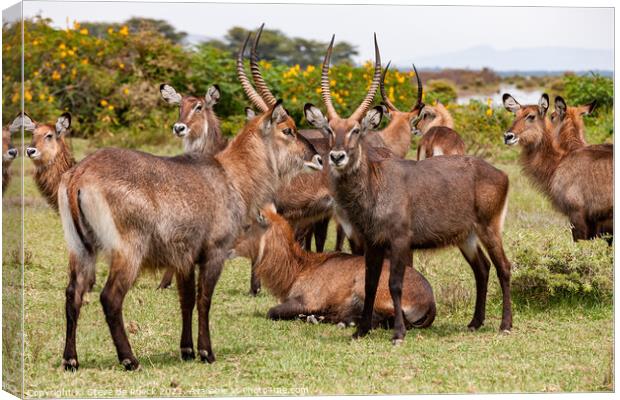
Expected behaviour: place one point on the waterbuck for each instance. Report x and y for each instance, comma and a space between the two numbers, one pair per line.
144, 211
568, 126
9, 152
435, 125
330, 285
50, 154
579, 183
395, 205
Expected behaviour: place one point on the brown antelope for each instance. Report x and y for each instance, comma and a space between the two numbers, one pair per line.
197, 125
8, 155
568, 126
393, 204
50, 155
578, 183
145, 211
304, 201
328, 284
435, 125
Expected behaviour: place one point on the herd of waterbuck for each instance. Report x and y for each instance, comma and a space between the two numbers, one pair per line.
244, 197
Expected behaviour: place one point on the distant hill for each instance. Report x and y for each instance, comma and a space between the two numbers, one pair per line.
542, 60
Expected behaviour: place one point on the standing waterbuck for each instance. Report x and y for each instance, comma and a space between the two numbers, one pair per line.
568, 126
395, 205
579, 183
328, 284
144, 211
9, 152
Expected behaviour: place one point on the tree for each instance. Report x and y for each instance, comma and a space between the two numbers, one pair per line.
136, 24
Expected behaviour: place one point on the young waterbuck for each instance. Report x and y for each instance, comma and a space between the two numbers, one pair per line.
326, 284
50, 154
568, 126
144, 211
9, 152
394, 205
578, 183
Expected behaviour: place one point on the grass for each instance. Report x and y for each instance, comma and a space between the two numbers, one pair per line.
564, 345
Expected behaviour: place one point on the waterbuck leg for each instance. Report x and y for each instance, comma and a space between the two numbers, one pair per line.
186, 283
308, 239
290, 309
479, 264
166, 280
492, 241
81, 274
254, 281
400, 257
320, 234
579, 226
374, 261
339, 237
208, 276
122, 276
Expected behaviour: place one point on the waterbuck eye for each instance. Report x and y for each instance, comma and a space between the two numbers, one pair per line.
530, 117
48, 136
287, 131
355, 131
198, 108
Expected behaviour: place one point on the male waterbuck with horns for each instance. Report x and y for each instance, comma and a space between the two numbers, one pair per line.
578, 183
145, 211
393, 204
330, 285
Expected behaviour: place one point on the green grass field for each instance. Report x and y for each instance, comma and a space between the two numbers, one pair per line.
562, 345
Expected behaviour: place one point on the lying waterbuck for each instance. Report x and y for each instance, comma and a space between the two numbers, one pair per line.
568, 126
9, 152
395, 205
50, 154
327, 284
578, 183
197, 125
144, 211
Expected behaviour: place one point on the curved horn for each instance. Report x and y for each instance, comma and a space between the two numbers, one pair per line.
261, 86
325, 92
361, 110
385, 97
245, 82
418, 105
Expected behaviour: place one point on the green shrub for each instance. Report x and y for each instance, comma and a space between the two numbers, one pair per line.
587, 88
440, 90
560, 269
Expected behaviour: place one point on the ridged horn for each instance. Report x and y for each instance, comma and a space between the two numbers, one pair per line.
361, 110
259, 82
325, 92
385, 97
418, 105
245, 82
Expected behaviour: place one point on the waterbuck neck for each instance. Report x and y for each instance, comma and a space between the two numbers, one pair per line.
570, 133
444, 116
48, 175
540, 160
209, 142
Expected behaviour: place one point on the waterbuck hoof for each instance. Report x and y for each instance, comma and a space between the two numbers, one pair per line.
397, 342
312, 320
359, 333
70, 364
130, 364
341, 325
187, 354
474, 325
254, 292
505, 331
206, 356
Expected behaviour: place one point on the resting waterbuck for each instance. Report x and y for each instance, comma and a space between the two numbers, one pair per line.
393, 204
144, 211
197, 125
326, 284
568, 126
578, 183
50, 154
9, 152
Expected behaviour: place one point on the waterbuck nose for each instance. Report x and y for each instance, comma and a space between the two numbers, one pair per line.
337, 156
509, 137
179, 129
12, 152
30, 151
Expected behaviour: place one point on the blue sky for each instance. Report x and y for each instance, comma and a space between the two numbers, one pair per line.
431, 34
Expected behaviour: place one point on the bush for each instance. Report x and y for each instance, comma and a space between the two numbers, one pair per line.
555, 270
440, 90
587, 88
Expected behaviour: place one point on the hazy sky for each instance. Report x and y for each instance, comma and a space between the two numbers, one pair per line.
405, 33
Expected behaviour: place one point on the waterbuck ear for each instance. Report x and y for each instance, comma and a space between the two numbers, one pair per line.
169, 94
213, 96
279, 113
63, 123
372, 119
314, 116
249, 114
24, 120
510, 103
560, 105
543, 104
588, 108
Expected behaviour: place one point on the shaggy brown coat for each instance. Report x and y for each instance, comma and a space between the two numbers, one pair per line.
8, 155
